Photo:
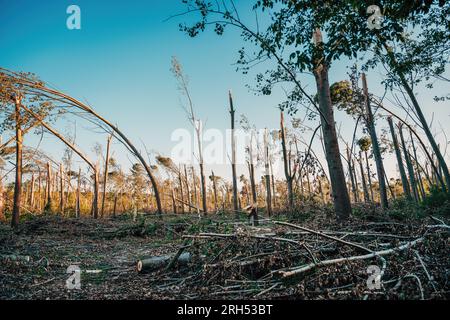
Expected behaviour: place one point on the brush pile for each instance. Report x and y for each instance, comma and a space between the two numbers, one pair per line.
278, 260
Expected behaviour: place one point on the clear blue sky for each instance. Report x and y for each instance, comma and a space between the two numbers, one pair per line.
120, 63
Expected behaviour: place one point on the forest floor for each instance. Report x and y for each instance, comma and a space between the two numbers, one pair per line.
229, 259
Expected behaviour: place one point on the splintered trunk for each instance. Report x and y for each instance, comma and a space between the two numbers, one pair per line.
341, 198
78, 196
274, 191
409, 166
174, 203
252, 183
398, 154
267, 175
216, 204
369, 176
115, 205
287, 172
352, 178
105, 174
39, 196
203, 183
188, 191
32, 192
49, 205
233, 159
61, 187
95, 195
180, 182
18, 181
417, 165
363, 179
375, 146
194, 186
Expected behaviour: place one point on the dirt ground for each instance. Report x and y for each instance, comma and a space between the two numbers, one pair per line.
34, 260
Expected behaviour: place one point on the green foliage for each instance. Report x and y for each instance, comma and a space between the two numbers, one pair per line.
437, 202
364, 144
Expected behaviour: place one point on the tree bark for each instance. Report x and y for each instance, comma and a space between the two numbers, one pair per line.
233, 158
375, 145
398, 154
19, 154
61, 191
267, 175
286, 161
363, 179
78, 196
409, 166
341, 197
105, 176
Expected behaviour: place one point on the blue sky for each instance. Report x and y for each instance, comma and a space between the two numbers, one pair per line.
119, 62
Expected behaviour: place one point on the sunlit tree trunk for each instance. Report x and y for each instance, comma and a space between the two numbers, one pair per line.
286, 161
233, 158
267, 175
409, 166
341, 198
61, 187
19, 154
48, 205
105, 174
188, 191
78, 196
375, 146
363, 179
398, 154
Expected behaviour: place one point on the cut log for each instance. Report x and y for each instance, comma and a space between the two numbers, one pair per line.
155, 263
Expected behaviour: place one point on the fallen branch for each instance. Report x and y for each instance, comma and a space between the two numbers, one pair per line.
297, 271
323, 235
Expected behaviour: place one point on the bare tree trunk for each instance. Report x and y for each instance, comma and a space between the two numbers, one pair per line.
274, 191
369, 177
115, 205
49, 205
286, 161
363, 179
18, 181
352, 178
78, 196
188, 191
375, 146
233, 159
398, 154
105, 176
409, 166
267, 174
96, 194
180, 181
417, 165
342, 204
33, 182
216, 204
39, 197
61, 191
195, 191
